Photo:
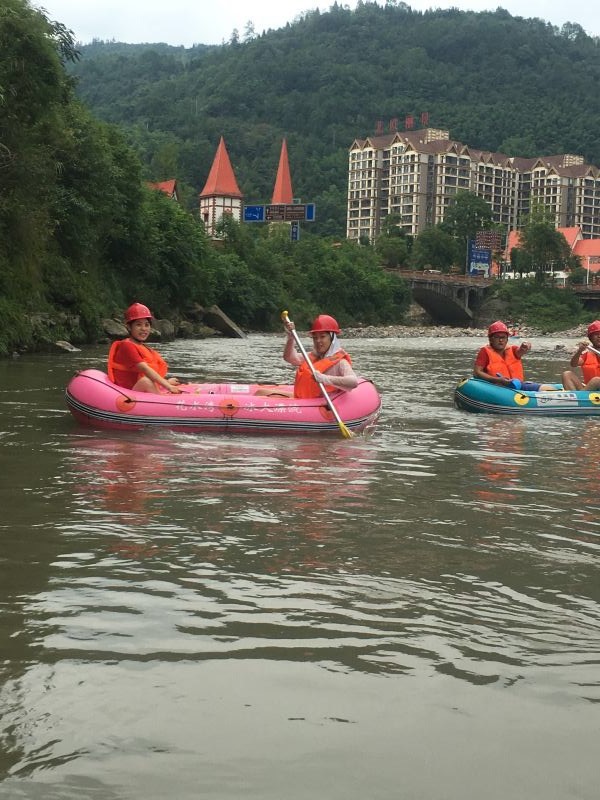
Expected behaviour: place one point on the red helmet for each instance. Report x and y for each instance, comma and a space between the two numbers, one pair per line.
325, 324
593, 327
137, 311
497, 327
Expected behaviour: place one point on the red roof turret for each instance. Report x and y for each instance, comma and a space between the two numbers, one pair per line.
221, 180
282, 193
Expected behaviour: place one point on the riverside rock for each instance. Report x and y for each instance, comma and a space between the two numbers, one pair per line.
448, 332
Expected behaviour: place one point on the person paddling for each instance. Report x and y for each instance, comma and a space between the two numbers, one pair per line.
134, 365
586, 356
332, 365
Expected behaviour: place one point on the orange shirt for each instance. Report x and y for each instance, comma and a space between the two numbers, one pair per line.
124, 356
590, 365
506, 364
305, 385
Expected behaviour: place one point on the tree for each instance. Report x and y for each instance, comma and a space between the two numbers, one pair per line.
434, 247
546, 248
520, 261
249, 31
34, 93
466, 215
392, 244
577, 276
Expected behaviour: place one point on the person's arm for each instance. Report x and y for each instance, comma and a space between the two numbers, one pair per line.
346, 381
290, 354
479, 370
480, 365
146, 370
576, 358
522, 349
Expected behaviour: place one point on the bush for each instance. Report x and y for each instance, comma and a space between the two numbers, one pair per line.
541, 306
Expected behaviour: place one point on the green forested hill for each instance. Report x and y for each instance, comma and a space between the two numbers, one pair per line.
496, 82
81, 236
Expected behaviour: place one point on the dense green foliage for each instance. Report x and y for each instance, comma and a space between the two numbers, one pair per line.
435, 247
262, 272
543, 248
538, 303
81, 236
496, 82
78, 232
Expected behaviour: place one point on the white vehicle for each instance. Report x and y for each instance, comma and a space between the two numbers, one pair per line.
510, 276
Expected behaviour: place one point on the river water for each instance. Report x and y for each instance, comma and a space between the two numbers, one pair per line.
410, 614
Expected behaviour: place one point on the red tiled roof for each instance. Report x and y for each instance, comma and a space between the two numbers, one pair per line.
587, 247
380, 142
168, 187
572, 235
221, 180
282, 192
587, 250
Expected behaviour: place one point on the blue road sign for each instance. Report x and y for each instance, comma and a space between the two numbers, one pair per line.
479, 258
290, 212
254, 213
280, 212
479, 255
294, 231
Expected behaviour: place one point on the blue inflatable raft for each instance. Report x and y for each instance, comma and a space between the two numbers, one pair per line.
484, 397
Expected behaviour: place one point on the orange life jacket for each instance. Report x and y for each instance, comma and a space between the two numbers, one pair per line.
590, 366
505, 364
149, 356
305, 385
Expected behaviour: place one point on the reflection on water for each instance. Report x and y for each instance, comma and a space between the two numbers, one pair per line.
222, 617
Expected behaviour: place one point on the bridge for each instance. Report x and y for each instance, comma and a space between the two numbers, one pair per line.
449, 299
453, 299
589, 294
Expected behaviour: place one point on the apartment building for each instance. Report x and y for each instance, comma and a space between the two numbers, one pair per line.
415, 174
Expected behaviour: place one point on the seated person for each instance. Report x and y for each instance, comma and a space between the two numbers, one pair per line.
588, 360
134, 365
332, 365
501, 363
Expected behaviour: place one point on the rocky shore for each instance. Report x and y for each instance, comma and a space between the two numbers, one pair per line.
447, 331
418, 323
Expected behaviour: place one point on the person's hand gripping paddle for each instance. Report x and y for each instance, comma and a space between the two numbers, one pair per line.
346, 432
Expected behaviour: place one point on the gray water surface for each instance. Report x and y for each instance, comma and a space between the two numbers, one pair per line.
411, 614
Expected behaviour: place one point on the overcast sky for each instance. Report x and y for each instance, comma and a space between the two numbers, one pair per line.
187, 22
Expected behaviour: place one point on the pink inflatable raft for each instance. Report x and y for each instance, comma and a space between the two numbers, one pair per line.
221, 407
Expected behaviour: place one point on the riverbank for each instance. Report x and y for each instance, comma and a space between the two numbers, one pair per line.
448, 331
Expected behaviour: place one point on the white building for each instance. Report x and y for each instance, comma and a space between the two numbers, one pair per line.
415, 174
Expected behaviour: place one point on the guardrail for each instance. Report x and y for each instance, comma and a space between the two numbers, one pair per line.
481, 280
442, 277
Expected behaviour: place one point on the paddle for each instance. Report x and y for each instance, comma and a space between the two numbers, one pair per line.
593, 349
346, 433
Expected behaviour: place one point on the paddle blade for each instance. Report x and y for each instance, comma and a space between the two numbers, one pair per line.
346, 432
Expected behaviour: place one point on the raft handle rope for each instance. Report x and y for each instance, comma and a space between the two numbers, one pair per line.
151, 395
